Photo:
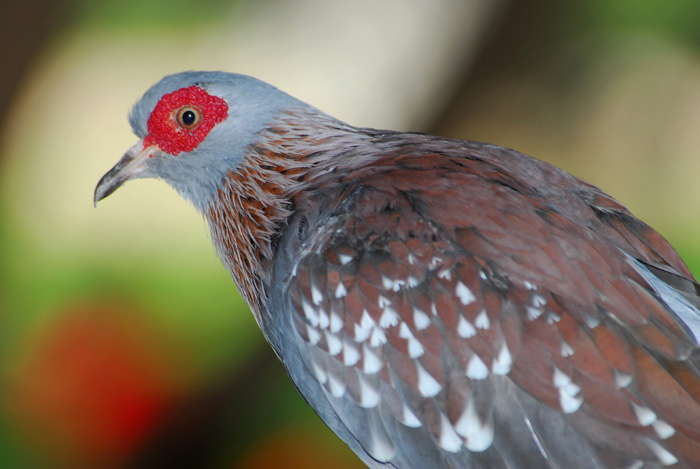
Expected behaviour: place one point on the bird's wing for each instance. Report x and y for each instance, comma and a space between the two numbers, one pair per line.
454, 321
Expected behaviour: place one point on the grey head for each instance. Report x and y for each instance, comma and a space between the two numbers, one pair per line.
196, 167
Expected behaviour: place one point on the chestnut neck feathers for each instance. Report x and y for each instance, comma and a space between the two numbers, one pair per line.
295, 154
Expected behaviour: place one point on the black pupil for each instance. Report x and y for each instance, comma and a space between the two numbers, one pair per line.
188, 117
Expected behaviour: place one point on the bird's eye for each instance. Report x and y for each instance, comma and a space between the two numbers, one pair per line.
188, 117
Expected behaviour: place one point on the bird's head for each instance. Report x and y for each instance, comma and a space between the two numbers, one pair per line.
194, 128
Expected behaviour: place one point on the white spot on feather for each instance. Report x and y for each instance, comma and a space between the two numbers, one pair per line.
501, 365
421, 319
366, 320
316, 295
482, 320
314, 335
345, 259
538, 300
449, 440
445, 274
477, 436
530, 285
566, 350
404, 331
340, 290
336, 322
411, 259
369, 396
388, 318
663, 455
464, 294
559, 378
377, 337
482, 275
336, 386
323, 319
412, 281
409, 418
387, 283
570, 399
334, 343
533, 313
427, 385
434, 262
351, 352
364, 328
383, 302
663, 429
552, 318
310, 312
361, 334
592, 322
536, 310
415, 348
371, 363
645, 415
476, 369
465, 328
622, 379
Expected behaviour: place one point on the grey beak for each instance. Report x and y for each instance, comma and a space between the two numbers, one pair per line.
131, 164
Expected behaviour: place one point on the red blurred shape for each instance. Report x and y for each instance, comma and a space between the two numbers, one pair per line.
92, 387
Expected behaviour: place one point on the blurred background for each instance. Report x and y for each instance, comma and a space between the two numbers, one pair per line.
124, 344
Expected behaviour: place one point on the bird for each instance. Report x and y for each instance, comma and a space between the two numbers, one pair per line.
440, 303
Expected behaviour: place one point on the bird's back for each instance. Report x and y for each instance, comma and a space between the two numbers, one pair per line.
464, 305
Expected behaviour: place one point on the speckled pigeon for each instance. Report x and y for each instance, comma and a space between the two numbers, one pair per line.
439, 303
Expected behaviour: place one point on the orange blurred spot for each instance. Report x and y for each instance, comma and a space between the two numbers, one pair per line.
300, 449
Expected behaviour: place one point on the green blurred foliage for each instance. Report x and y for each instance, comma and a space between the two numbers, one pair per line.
675, 19
158, 14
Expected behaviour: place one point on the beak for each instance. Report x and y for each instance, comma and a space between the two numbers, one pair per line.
131, 164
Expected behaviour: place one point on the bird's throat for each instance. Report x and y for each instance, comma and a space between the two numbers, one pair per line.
255, 200
243, 227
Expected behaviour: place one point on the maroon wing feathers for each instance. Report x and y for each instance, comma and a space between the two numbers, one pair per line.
448, 275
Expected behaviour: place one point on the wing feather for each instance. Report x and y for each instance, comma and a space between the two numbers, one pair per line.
514, 331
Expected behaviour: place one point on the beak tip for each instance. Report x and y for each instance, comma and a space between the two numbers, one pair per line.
104, 188
99, 193
127, 167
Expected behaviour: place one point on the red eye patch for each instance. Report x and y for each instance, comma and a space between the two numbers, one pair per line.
163, 128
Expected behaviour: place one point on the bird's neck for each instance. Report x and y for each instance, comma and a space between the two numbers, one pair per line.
256, 200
